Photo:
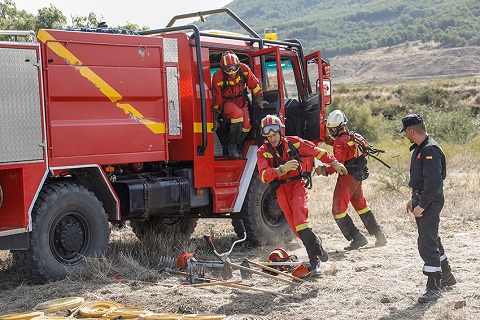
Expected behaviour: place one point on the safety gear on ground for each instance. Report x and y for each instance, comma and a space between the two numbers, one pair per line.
447, 277
373, 228
289, 165
260, 102
301, 271
230, 63
270, 124
278, 255
433, 288
340, 168
321, 171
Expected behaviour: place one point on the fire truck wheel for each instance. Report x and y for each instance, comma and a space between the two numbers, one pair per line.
263, 219
181, 228
69, 224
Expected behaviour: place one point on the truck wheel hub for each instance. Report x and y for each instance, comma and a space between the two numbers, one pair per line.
71, 235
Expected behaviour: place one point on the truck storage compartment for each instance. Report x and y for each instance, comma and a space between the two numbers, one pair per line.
141, 198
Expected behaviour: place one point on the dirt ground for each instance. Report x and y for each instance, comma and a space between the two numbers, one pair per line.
370, 283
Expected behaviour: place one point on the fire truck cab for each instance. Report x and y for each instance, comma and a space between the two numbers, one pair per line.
104, 126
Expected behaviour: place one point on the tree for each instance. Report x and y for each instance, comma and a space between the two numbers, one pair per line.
91, 21
50, 18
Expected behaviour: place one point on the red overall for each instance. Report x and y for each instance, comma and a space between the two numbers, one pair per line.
292, 196
347, 189
228, 95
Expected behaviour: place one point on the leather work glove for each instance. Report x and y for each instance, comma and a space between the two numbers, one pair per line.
340, 168
261, 103
289, 166
321, 171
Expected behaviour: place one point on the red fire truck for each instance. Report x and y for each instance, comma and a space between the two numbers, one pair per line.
102, 126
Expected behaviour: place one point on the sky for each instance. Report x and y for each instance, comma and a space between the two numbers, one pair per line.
152, 13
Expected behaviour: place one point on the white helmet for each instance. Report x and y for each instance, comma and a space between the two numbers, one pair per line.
336, 118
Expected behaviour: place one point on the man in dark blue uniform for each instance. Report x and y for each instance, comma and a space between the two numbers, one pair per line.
427, 172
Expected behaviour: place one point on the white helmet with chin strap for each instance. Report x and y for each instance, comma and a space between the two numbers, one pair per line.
336, 122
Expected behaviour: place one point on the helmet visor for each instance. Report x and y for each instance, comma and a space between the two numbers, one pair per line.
231, 67
270, 129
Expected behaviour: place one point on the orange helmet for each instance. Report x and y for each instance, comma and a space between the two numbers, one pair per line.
230, 63
271, 124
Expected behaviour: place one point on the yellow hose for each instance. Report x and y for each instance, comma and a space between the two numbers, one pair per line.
160, 316
22, 315
203, 316
59, 304
126, 313
50, 318
98, 308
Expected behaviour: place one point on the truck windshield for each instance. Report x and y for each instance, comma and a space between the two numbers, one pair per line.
289, 82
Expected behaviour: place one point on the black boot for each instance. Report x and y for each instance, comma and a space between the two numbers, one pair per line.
433, 289
235, 136
351, 233
315, 251
447, 277
373, 228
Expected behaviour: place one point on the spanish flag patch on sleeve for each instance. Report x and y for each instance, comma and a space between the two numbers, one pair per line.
428, 158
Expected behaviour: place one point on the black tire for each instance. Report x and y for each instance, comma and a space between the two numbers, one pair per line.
69, 224
180, 228
262, 217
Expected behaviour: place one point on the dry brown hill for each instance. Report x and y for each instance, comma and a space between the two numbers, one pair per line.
406, 62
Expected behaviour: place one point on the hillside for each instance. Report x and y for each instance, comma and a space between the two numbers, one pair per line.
406, 62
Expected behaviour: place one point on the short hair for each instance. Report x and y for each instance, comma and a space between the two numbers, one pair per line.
419, 127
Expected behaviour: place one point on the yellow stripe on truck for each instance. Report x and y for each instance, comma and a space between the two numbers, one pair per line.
197, 127
105, 88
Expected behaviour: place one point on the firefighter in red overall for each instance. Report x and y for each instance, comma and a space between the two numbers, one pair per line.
348, 188
280, 162
230, 97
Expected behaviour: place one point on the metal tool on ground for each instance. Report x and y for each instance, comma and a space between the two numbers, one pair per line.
276, 271
244, 270
224, 257
232, 284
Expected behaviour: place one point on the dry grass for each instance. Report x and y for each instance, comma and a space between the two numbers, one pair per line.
371, 283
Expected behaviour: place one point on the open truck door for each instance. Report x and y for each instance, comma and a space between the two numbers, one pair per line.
317, 96
270, 75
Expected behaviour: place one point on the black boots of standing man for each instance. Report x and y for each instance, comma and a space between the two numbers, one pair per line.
438, 281
351, 232
433, 288
314, 248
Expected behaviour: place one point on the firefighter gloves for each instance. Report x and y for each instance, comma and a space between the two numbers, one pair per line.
261, 103
340, 168
289, 165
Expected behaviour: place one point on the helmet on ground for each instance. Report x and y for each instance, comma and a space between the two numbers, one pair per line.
230, 63
278, 255
336, 122
270, 124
